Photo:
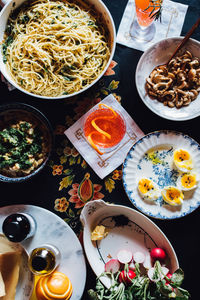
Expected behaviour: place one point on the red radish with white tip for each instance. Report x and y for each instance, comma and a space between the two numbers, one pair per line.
112, 266
169, 276
124, 256
139, 257
126, 277
158, 254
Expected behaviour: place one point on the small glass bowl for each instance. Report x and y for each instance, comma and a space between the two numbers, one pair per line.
44, 260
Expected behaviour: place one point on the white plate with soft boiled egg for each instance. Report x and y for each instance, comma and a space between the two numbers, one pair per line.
161, 174
128, 231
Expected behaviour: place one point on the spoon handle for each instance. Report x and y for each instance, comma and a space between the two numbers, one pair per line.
187, 36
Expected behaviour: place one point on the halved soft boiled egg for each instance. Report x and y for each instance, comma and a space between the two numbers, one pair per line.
183, 160
172, 195
148, 189
187, 181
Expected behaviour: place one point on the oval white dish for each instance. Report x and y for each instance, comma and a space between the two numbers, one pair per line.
137, 165
128, 229
158, 54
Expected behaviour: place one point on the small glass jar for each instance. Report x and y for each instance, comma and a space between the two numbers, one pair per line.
18, 227
44, 260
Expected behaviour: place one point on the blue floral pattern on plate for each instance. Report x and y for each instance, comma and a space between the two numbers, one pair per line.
152, 157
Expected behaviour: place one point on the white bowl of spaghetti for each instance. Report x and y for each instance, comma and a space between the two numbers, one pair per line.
55, 48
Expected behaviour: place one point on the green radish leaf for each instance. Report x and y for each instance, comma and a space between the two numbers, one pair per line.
177, 277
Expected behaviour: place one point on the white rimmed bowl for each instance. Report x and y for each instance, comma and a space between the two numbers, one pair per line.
159, 54
97, 5
137, 234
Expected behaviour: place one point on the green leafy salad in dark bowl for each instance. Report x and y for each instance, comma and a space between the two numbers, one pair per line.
26, 140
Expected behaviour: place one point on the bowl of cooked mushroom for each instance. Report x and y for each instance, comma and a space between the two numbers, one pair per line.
26, 140
171, 90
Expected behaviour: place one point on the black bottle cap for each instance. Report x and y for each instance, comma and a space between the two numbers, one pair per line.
16, 227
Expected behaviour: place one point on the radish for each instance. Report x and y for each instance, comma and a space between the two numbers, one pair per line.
139, 257
126, 277
112, 266
168, 281
164, 272
150, 274
158, 254
147, 262
124, 256
131, 265
169, 275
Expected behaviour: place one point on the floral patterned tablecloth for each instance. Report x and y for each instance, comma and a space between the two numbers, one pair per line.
57, 187
67, 164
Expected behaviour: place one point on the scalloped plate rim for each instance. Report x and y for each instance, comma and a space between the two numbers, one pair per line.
128, 192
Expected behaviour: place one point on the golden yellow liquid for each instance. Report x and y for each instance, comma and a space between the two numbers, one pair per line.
42, 261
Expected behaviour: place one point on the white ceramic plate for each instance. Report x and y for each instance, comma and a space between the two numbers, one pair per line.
161, 170
156, 55
129, 229
52, 229
26, 278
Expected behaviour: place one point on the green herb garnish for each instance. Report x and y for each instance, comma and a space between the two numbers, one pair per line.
156, 6
141, 287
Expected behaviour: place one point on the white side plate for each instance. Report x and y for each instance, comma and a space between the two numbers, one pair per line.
163, 173
158, 54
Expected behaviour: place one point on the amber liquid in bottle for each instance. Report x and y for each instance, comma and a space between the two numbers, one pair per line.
42, 261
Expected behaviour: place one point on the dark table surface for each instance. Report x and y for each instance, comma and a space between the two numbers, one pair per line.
49, 189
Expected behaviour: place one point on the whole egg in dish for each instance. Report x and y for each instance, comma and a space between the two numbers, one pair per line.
183, 160
172, 195
187, 181
148, 189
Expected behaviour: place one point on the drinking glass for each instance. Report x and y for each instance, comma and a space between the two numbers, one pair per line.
104, 128
143, 27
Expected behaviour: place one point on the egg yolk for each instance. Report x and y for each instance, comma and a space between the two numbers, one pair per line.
173, 196
145, 185
181, 155
188, 181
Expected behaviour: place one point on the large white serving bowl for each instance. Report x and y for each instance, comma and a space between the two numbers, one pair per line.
97, 5
159, 54
134, 232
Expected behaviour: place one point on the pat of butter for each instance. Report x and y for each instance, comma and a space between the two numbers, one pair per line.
99, 233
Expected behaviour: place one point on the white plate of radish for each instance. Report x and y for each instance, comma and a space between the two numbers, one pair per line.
131, 238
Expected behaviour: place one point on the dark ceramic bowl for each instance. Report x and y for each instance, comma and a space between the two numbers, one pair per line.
15, 112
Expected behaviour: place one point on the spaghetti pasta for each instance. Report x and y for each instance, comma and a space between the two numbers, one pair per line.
53, 48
